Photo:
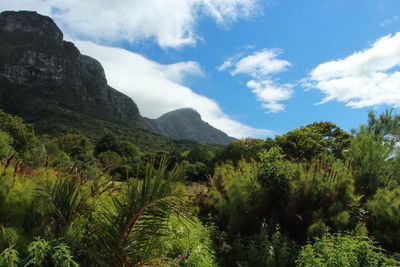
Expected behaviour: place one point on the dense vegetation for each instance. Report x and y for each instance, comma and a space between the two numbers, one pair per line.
315, 196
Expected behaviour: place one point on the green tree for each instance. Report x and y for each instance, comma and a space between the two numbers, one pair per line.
388, 123
107, 143
199, 154
334, 139
234, 152
275, 176
299, 144
313, 140
23, 136
368, 155
74, 144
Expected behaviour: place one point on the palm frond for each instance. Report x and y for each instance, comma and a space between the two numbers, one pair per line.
125, 230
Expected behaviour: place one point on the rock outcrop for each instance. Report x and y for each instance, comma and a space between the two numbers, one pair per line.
34, 56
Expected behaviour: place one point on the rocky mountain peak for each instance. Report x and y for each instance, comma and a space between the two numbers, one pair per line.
34, 56
30, 24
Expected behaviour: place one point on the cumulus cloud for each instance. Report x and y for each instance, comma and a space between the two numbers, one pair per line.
157, 88
366, 78
261, 65
271, 93
171, 23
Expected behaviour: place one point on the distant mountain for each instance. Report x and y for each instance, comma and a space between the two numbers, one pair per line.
48, 82
187, 123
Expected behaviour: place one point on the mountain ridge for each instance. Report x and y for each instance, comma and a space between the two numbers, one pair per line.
48, 82
187, 122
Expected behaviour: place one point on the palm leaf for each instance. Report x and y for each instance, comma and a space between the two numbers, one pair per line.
126, 230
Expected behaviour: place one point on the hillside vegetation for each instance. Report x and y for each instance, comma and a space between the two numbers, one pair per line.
315, 196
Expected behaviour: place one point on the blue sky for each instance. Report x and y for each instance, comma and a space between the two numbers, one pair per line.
251, 68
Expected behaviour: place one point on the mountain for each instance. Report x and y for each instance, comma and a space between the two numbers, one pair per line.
43, 68
49, 83
187, 123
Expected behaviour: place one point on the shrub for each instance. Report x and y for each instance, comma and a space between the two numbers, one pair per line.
342, 250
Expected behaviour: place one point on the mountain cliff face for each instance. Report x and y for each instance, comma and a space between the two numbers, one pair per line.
37, 66
48, 82
187, 123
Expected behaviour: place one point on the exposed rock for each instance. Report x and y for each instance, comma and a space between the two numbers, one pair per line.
34, 55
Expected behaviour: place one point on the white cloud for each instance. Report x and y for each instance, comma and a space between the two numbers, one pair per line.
261, 65
271, 93
171, 23
366, 78
157, 88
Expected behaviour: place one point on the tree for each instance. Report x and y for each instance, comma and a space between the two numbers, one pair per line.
368, 155
199, 154
74, 144
236, 151
275, 176
299, 144
314, 139
388, 123
23, 136
107, 143
334, 139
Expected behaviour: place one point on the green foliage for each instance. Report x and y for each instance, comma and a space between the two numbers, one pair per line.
127, 228
55, 156
299, 144
317, 230
65, 200
190, 243
5, 145
235, 196
197, 171
322, 192
38, 251
9, 258
42, 253
334, 139
199, 154
74, 144
368, 155
62, 256
234, 152
384, 211
312, 140
23, 137
275, 177
342, 250
82, 210
19, 217
262, 249
106, 143
388, 123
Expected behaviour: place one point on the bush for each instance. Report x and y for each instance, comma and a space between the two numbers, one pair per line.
342, 250
384, 222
